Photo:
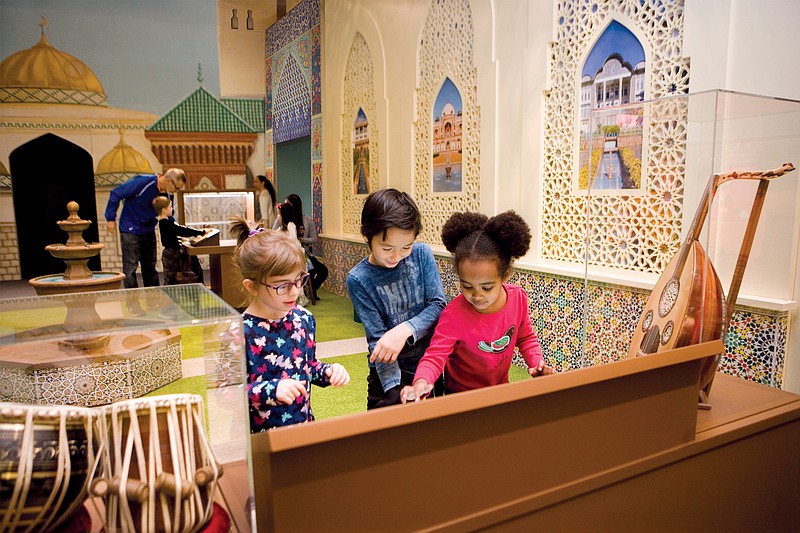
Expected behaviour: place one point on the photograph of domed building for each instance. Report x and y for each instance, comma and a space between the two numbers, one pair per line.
447, 115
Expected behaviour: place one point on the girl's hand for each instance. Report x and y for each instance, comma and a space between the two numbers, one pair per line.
337, 375
416, 392
389, 345
540, 370
289, 390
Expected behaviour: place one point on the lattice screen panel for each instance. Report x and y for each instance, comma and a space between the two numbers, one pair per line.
637, 233
359, 92
446, 50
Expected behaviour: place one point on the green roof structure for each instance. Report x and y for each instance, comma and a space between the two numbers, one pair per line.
250, 109
203, 112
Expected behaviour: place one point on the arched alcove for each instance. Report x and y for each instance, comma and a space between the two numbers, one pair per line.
46, 173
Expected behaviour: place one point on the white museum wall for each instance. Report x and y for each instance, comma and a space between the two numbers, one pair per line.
739, 45
729, 44
511, 50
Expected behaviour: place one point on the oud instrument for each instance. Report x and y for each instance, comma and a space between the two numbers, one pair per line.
687, 305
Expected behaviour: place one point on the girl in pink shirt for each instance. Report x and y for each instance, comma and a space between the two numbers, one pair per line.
475, 338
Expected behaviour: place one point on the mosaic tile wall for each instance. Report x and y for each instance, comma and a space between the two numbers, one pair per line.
755, 346
293, 90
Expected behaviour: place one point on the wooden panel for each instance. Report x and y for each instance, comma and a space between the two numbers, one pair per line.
448, 458
741, 473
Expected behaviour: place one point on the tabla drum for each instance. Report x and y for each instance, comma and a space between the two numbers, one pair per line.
159, 472
46, 455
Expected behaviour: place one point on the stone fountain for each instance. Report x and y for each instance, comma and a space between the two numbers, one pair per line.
76, 252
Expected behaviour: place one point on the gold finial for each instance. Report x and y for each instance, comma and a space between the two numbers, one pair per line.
200, 73
43, 23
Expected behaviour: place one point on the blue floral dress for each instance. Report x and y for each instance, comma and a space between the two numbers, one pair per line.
276, 350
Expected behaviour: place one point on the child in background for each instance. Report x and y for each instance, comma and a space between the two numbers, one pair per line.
397, 292
477, 332
279, 335
174, 257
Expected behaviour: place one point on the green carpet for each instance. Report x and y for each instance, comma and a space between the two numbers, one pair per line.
328, 402
334, 316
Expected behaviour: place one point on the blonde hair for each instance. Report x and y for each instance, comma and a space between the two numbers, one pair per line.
264, 253
160, 203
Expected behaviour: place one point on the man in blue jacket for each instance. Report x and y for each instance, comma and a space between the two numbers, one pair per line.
137, 223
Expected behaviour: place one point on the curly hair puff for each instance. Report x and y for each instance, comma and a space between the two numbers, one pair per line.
476, 237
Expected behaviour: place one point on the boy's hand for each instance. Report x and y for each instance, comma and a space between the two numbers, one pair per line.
289, 390
416, 392
111, 226
389, 345
337, 375
540, 370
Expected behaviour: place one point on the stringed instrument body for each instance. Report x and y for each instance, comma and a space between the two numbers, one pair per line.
688, 305
685, 308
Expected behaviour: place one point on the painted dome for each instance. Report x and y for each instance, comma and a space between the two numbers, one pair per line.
44, 74
120, 164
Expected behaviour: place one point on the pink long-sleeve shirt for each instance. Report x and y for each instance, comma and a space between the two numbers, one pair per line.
475, 348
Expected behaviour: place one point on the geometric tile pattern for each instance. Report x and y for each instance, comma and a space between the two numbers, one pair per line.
300, 19
637, 232
38, 95
755, 346
95, 383
316, 138
316, 193
293, 90
359, 93
446, 49
291, 113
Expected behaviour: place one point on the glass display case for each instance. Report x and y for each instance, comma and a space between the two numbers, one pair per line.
171, 352
694, 185
203, 208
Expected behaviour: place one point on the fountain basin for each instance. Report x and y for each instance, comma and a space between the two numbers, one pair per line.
60, 284
82, 251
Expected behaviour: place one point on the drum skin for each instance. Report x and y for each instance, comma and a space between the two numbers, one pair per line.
46, 453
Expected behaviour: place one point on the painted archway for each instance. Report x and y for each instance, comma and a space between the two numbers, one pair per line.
46, 173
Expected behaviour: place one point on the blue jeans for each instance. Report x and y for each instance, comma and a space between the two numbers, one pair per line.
138, 249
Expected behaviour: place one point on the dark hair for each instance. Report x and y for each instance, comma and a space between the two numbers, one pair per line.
389, 208
296, 202
476, 237
269, 187
290, 213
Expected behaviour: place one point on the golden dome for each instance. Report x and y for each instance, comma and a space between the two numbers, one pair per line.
50, 70
123, 159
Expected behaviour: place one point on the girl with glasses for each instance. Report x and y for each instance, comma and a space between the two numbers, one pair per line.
279, 334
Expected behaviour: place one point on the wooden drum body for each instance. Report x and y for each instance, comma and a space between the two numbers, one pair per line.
46, 455
159, 471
